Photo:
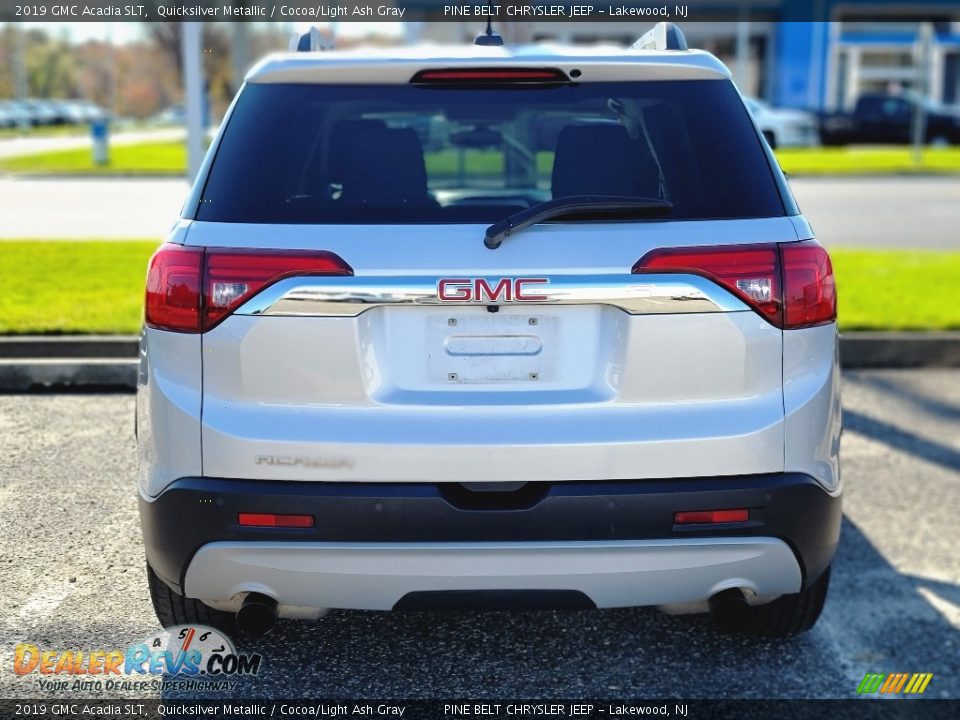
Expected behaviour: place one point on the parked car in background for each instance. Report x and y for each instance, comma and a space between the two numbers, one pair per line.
170, 115
15, 113
888, 119
79, 112
782, 127
39, 112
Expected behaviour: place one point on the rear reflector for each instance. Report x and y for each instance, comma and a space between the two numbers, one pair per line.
699, 517
192, 289
274, 520
789, 284
485, 75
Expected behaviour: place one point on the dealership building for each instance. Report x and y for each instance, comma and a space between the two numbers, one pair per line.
820, 54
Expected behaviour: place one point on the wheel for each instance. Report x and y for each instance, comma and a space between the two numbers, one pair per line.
771, 139
787, 615
175, 609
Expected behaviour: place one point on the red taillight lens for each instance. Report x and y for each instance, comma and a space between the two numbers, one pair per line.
234, 276
274, 520
173, 288
751, 272
193, 289
700, 517
790, 284
809, 290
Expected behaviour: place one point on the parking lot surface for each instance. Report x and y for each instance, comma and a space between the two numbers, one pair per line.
72, 577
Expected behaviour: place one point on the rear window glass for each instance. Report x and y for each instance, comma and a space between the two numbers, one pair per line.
411, 154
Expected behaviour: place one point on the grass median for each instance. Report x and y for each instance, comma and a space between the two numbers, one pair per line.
151, 159
72, 286
84, 287
170, 158
868, 161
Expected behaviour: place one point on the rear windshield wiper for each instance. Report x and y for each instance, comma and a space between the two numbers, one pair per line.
575, 207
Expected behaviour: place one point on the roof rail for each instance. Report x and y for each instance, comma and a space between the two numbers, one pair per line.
311, 41
663, 36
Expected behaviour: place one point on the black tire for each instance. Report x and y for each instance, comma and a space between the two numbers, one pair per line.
175, 609
771, 139
787, 615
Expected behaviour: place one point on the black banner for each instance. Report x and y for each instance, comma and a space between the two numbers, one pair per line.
864, 709
316, 11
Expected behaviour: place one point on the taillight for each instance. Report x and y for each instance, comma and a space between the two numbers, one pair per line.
193, 289
809, 290
789, 284
173, 288
234, 276
751, 272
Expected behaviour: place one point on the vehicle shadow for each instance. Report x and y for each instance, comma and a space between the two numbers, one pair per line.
902, 440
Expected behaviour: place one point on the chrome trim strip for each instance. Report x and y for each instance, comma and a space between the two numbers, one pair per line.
339, 296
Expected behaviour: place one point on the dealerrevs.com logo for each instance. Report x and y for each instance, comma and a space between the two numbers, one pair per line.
193, 657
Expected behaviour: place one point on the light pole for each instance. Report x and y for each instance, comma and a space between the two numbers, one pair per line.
922, 59
193, 95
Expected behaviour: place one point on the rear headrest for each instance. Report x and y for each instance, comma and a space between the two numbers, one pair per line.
380, 165
603, 160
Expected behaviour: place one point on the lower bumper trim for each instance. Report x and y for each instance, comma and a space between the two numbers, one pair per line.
376, 576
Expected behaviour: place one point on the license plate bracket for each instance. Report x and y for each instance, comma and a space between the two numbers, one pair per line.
491, 348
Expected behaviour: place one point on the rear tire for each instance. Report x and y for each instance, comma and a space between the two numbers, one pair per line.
175, 609
787, 615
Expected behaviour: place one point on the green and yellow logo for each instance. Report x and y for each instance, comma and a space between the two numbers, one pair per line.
894, 683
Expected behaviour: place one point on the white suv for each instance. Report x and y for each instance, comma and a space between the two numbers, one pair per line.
489, 327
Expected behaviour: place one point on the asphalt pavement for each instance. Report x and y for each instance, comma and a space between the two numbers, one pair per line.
72, 577
892, 212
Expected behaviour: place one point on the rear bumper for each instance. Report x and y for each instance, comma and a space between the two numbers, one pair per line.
372, 543
379, 576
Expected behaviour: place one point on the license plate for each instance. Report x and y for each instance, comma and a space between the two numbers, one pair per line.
491, 348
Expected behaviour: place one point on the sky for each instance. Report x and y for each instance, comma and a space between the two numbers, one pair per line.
125, 32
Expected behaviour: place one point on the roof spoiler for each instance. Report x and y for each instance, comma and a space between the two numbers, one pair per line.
663, 36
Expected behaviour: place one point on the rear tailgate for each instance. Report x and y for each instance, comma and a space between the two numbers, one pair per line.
371, 378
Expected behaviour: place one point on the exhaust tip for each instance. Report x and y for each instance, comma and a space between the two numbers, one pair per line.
257, 615
730, 609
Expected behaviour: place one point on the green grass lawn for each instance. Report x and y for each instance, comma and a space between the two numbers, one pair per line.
159, 158
72, 286
76, 286
867, 161
170, 158
897, 289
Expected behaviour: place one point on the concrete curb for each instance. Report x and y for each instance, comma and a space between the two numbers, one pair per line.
900, 349
69, 346
89, 374
108, 362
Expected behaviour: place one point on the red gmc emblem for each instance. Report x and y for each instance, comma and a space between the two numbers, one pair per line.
480, 290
